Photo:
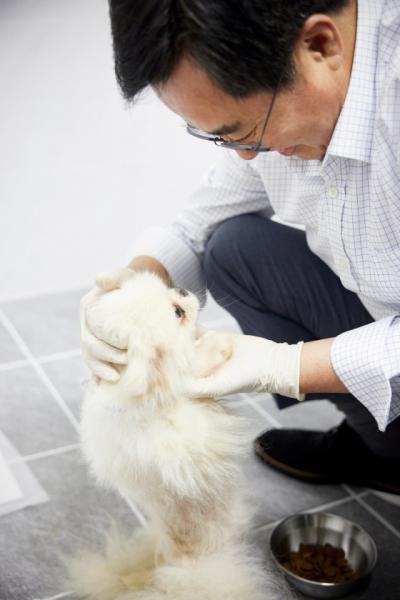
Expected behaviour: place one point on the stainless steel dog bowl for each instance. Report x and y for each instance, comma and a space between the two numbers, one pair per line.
324, 528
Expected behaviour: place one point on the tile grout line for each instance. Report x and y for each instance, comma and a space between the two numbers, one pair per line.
323, 507
44, 454
39, 371
44, 292
56, 597
139, 515
339, 502
247, 399
373, 512
15, 364
45, 358
44, 378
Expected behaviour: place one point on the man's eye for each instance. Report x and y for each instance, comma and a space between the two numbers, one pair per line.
179, 311
243, 139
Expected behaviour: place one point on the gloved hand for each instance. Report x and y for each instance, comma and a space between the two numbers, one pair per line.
255, 365
98, 353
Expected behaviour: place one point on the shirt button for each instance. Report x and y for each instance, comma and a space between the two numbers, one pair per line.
333, 191
342, 264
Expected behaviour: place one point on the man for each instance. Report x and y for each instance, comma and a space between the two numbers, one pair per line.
303, 96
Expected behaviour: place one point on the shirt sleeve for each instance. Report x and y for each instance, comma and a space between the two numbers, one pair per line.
367, 360
230, 188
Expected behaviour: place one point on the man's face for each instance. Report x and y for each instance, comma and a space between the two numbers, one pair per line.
302, 118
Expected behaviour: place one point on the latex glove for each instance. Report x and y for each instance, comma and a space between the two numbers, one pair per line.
98, 353
254, 365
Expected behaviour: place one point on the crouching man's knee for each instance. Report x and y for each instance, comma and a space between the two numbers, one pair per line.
231, 239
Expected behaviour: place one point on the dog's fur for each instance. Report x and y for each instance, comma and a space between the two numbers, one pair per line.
176, 457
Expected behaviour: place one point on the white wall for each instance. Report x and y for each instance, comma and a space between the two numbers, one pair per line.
80, 173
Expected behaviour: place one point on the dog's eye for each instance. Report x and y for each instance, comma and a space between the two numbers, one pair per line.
179, 311
182, 292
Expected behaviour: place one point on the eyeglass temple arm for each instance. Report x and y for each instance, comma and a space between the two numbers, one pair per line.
269, 110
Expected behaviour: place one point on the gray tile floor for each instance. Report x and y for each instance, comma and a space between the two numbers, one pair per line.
41, 377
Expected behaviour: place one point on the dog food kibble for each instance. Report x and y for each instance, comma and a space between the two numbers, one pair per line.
320, 563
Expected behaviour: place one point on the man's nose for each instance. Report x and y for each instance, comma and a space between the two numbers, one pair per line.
246, 155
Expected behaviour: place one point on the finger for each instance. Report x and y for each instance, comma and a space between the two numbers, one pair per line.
103, 371
93, 332
110, 338
200, 331
87, 300
107, 282
103, 352
112, 281
201, 387
89, 297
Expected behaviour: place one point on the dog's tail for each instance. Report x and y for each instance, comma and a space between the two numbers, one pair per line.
127, 572
126, 564
231, 575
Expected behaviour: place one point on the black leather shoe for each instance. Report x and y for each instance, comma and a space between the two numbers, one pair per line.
335, 456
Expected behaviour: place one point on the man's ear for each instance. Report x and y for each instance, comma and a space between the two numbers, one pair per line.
212, 350
321, 39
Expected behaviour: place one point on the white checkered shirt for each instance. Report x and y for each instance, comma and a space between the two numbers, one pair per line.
349, 204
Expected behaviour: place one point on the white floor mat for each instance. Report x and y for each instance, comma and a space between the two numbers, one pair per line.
10, 491
18, 486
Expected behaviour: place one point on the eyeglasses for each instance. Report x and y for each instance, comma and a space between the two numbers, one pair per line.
221, 143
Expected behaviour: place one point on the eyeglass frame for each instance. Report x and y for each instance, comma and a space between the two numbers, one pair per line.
221, 143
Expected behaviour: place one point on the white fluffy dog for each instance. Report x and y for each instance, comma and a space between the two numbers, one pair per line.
178, 458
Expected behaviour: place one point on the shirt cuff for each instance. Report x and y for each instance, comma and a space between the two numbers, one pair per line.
360, 361
183, 265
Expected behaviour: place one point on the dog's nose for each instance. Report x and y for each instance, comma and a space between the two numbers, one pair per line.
182, 292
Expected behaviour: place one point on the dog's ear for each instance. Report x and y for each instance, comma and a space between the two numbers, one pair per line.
146, 372
108, 282
136, 375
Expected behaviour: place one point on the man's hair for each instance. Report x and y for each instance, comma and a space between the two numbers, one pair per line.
243, 45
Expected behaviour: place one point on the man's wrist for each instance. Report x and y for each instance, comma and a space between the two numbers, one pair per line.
280, 368
288, 370
317, 374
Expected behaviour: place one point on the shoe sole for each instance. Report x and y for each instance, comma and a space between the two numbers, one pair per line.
288, 470
321, 478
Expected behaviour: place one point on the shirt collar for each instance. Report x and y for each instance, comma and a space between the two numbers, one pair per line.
352, 136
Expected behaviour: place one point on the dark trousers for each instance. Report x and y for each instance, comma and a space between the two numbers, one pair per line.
267, 278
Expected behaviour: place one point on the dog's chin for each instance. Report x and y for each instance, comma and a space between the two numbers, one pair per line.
192, 309
187, 329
